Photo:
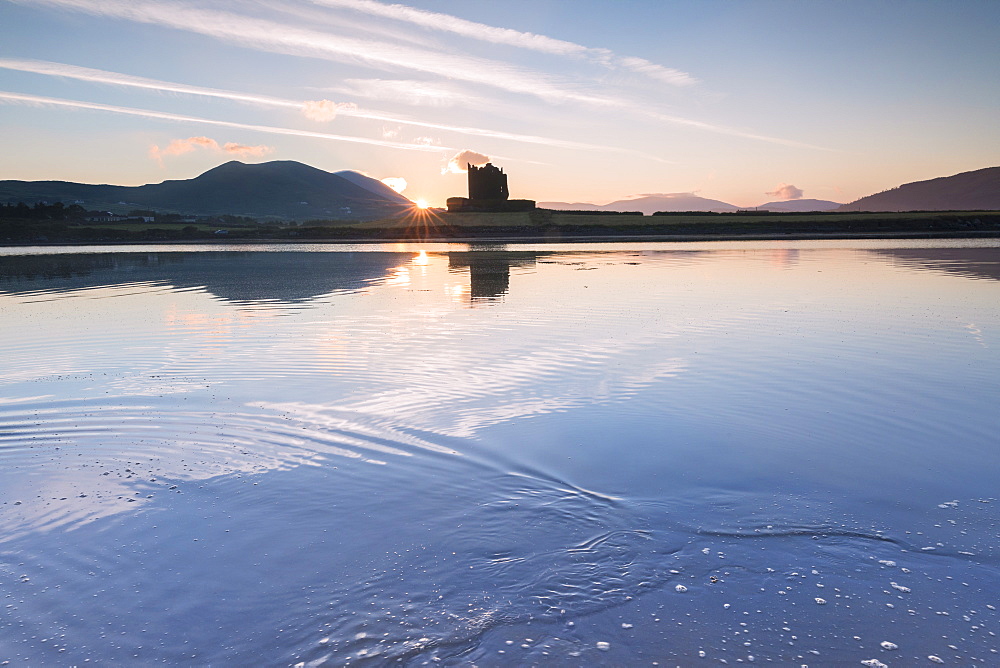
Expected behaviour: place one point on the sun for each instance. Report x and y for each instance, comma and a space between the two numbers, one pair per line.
422, 221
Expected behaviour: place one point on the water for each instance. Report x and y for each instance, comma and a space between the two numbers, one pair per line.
613, 454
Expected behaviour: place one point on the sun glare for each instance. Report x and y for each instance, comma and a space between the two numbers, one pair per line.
422, 204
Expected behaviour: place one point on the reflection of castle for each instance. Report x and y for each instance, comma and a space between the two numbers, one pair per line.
489, 271
488, 193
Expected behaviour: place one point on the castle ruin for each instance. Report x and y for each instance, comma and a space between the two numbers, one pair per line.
487, 182
488, 193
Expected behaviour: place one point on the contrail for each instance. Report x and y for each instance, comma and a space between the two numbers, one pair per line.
280, 38
144, 113
509, 37
118, 79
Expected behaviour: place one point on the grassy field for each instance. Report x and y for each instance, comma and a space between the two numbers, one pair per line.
546, 221
538, 224
549, 217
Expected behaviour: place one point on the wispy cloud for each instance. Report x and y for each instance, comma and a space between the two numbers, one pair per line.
119, 79
786, 191
182, 146
317, 110
407, 91
732, 132
19, 98
282, 38
324, 110
267, 35
515, 38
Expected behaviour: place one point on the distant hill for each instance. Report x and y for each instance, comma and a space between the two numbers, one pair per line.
798, 205
968, 191
648, 204
372, 185
278, 190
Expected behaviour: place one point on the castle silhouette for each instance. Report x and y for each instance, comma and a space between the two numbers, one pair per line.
488, 193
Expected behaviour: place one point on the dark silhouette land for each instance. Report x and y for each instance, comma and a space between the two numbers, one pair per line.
282, 190
488, 193
968, 191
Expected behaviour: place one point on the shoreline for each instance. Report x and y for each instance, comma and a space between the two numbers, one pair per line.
534, 239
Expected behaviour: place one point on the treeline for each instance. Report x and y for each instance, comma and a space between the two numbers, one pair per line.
78, 214
42, 211
584, 212
54, 231
740, 212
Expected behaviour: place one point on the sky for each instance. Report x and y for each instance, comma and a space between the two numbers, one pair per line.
578, 100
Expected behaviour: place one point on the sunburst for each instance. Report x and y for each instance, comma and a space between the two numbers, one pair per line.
421, 222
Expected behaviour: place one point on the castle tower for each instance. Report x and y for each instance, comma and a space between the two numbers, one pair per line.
487, 182
488, 193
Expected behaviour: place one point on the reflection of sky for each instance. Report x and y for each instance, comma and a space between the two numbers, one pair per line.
380, 372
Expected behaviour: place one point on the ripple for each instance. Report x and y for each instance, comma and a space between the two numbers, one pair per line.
69, 462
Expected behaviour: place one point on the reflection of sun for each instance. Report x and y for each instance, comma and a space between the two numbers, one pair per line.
422, 204
421, 258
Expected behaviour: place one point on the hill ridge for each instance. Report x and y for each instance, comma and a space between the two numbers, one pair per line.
275, 190
976, 190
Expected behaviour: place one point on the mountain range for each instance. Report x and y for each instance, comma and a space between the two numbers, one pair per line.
278, 190
288, 190
799, 205
969, 191
648, 204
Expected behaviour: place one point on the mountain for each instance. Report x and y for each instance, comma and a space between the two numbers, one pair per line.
372, 185
798, 205
648, 204
278, 190
968, 191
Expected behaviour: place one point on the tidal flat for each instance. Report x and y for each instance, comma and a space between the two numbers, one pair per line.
630, 453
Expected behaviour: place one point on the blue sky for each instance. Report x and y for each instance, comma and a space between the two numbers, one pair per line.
578, 100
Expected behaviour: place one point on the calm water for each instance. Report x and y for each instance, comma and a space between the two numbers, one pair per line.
523, 455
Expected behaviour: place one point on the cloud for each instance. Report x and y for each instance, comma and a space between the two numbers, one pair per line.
278, 37
247, 151
459, 163
324, 110
182, 146
516, 38
21, 98
785, 192
408, 91
397, 183
345, 109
